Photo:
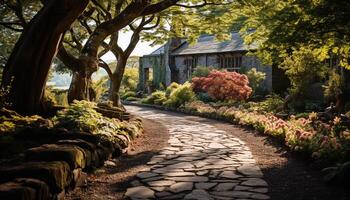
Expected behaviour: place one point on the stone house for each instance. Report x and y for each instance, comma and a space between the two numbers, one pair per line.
177, 59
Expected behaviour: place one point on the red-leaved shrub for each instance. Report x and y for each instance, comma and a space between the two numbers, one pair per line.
223, 85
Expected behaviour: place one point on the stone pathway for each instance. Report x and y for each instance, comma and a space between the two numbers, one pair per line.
200, 163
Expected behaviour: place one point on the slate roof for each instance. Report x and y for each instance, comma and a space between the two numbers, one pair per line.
208, 44
157, 52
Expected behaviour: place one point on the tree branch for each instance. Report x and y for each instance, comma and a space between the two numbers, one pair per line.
107, 14
106, 67
205, 3
154, 26
68, 60
10, 25
79, 45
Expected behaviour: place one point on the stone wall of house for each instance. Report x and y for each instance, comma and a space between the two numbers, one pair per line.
156, 63
181, 68
211, 60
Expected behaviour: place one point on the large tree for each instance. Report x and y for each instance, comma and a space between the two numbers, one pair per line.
27, 68
102, 23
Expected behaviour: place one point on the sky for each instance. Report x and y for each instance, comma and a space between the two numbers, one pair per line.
142, 48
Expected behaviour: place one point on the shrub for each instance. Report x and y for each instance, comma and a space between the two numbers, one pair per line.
132, 99
203, 96
130, 79
333, 86
303, 68
201, 71
157, 97
101, 87
255, 78
223, 85
80, 116
272, 103
180, 96
171, 88
128, 94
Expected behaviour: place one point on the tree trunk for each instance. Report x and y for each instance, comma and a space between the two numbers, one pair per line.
116, 81
81, 88
81, 85
27, 68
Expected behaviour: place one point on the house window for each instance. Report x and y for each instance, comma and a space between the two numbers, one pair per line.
191, 63
230, 62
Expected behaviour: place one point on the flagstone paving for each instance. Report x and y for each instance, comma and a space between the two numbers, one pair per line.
201, 162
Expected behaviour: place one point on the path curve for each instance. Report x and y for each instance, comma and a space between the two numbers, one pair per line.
201, 162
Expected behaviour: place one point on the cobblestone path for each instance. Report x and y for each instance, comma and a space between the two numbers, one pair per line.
201, 162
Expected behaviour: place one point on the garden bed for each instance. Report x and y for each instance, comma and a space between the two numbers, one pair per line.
45, 158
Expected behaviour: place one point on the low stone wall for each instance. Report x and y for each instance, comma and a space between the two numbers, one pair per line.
51, 169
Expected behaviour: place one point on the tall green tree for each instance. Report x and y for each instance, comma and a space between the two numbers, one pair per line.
281, 27
27, 67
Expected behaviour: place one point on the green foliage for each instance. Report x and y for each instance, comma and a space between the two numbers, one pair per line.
180, 96
303, 69
157, 98
273, 103
333, 86
4, 92
130, 79
101, 87
8, 37
132, 99
173, 86
302, 115
255, 78
284, 27
203, 96
201, 71
128, 94
80, 116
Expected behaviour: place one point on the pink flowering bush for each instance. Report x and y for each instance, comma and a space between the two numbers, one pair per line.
327, 142
223, 85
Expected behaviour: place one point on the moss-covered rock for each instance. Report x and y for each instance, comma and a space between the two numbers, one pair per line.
57, 175
24, 189
79, 178
10, 121
71, 154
